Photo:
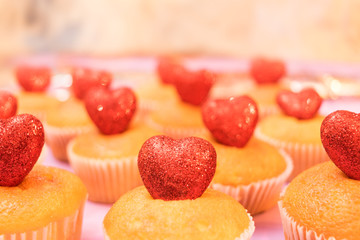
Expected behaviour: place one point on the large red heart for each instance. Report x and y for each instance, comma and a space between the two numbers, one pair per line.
193, 86
85, 79
21, 142
267, 71
302, 105
168, 68
111, 110
231, 121
33, 79
8, 105
176, 169
340, 136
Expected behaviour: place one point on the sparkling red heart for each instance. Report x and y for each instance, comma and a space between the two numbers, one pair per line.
111, 110
231, 121
85, 79
176, 169
8, 105
33, 79
168, 69
340, 136
267, 71
21, 142
194, 86
302, 105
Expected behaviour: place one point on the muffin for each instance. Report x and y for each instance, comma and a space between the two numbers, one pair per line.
298, 135
175, 202
107, 164
65, 122
48, 204
321, 203
177, 119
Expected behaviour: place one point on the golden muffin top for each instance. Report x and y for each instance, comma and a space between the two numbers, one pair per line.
71, 113
156, 91
265, 94
254, 162
122, 145
214, 215
325, 200
47, 194
290, 129
178, 114
30, 101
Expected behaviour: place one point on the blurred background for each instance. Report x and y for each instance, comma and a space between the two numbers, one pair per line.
322, 30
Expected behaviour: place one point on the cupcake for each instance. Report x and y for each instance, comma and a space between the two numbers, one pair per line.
296, 130
267, 74
175, 202
252, 171
106, 159
35, 202
33, 97
63, 123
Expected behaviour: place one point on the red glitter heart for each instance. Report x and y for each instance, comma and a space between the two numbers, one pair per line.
8, 105
33, 79
267, 71
176, 169
231, 121
85, 79
340, 136
193, 86
302, 105
21, 142
111, 110
168, 68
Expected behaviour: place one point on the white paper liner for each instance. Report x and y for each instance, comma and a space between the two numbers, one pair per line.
262, 195
295, 231
176, 132
303, 156
68, 228
246, 235
105, 179
267, 110
57, 138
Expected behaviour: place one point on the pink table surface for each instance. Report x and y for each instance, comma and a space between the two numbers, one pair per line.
267, 225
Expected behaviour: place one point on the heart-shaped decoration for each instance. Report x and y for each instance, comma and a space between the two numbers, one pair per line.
193, 86
85, 79
33, 79
267, 71
21, 142
168, 69
302, 105
340, 136
111, 110
8, 105
231, 121
176, 169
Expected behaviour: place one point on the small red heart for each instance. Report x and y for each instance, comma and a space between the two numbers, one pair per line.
33, 79
168, 68
111, 110
176, 169
21, 142
340, 136
8, 105
85, 79
265, 71
231, 121
302, 105
193, 86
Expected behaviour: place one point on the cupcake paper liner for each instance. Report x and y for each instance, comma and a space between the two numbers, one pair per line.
176, 132
295, 231
57, 138
262, 195
303, 156
105, 179
68, 228
246, 235
267, 110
